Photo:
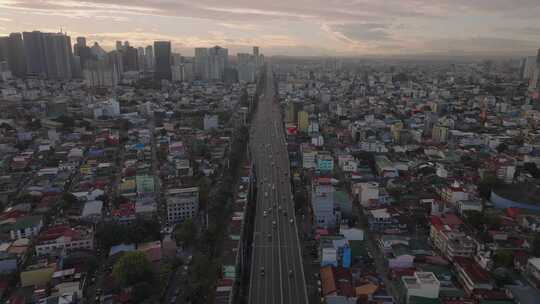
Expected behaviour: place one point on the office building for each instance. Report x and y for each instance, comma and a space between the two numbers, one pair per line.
130, 58
201, 63
81, 50
246, 67
58, 56
149, 57
141, 58
218, 60
162, 53
4, 41
182, 204
115, 60
528, 66
118, 45
15, 55
187, 72
99, 73
34, 52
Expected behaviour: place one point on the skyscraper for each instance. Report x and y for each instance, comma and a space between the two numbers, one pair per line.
256, 51
201, 63
218, 60
34, 51
130, 58
58, 55
114, 59
149, 57
16, 59
246, 67
118, 45
4, 41
140, 58
81, 50
162, 53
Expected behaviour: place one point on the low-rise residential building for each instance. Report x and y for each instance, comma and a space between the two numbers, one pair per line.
26, 227
421, 284
471, 276
325, 212
64, 238
448, 239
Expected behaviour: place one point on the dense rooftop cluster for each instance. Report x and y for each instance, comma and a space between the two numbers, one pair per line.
416, 182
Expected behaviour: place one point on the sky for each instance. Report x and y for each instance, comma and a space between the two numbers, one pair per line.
293, 27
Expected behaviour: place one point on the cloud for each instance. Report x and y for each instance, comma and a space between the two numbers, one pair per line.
362, 32
526, 30
482, 45
318, 26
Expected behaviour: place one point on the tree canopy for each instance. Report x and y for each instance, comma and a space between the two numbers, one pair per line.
186, 232
132, 268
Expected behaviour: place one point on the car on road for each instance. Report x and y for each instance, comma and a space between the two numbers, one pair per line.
262, 271
290, 272
291, 221
265, 194
285, 213
265, 214
274, 224
269, 236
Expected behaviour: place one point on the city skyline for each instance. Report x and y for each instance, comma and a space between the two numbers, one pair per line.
299, 28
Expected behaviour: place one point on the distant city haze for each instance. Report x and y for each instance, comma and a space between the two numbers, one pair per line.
293, 27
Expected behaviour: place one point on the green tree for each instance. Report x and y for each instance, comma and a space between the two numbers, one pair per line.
142, 291
186, 232
132, 268
110, 234
488, 182
503, 258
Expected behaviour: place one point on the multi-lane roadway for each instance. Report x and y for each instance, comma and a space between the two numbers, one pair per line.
277, 275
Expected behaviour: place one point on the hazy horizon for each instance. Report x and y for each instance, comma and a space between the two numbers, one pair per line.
341, 28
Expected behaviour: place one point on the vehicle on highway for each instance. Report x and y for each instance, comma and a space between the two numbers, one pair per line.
266, 194
284, 213
274, 224
291, 221
290, 272
265, 214
262, 271
273, 187
269, 236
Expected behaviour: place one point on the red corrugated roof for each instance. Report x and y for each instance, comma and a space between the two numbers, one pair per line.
56, 232
473, 270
